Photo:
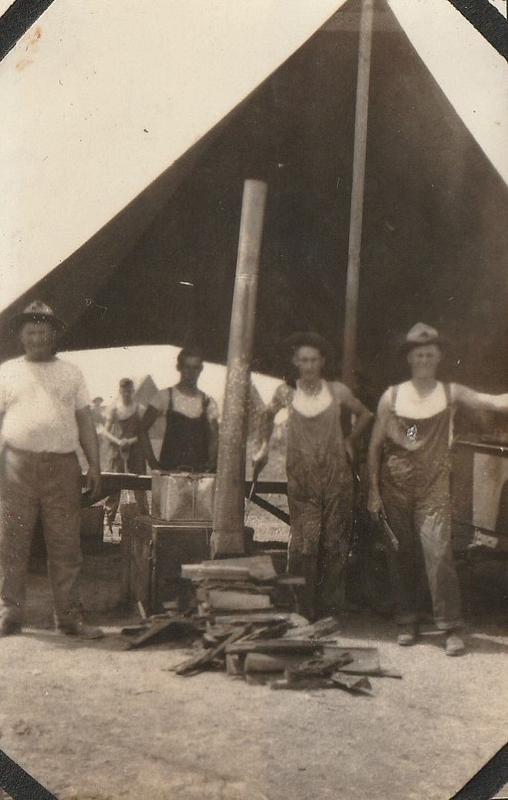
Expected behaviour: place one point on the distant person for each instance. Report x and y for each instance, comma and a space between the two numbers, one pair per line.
123, 432
409, 468
190, 439
318, 463
97, 412
44, 417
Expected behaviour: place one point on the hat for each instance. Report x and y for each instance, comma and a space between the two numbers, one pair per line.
37, 311
419, 336
309, 339
124, 382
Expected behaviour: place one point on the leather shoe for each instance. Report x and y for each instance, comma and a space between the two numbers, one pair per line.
81, 630
454, 645
407, 635
8, 627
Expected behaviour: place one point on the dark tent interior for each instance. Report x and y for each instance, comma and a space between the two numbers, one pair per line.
434, 238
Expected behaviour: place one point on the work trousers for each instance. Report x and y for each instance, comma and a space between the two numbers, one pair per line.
49, 485
421, 522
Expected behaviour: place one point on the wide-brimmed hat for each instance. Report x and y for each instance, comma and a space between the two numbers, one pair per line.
37, 311
419, 336
309, 339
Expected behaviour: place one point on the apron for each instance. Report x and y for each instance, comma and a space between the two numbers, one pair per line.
185, 443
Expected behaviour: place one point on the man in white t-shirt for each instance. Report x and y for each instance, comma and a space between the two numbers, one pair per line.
44, 417
409, 469
191, 431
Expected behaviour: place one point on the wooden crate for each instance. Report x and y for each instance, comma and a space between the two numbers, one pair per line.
157, 551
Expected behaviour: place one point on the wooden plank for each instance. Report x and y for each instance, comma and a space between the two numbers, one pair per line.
306, 683
163, 630
290, 580
275, 511
234, 665
365, 659
205, 658
352, 683
324, 627
262, 618
240, 601
275, 646
215, 571
260, 567
269, 662
317, 667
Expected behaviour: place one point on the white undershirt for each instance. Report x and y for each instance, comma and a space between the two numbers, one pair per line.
409, 403
310, 405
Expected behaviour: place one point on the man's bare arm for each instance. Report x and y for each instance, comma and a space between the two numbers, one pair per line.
363, 416
90, 444
479, 401
149, 418
375, 503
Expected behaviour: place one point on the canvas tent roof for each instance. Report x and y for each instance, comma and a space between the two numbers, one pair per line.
161, 270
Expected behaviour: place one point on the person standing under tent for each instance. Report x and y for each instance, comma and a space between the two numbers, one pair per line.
123, 431
409, 469
44, 417
191, 433
319, 473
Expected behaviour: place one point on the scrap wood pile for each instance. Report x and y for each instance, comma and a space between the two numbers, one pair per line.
252, 632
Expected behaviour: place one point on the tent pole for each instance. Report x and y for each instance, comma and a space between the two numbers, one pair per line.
357, 193
228, 521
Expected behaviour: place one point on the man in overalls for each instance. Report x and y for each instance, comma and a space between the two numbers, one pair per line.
123, 431
191, 433
319, 473
409, 468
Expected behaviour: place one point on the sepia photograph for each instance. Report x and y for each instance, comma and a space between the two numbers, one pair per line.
253, 400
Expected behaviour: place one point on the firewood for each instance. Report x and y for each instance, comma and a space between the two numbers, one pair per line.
204, 659
275, 646
352, 683
228, 601
267, 662
317, 667
324, 627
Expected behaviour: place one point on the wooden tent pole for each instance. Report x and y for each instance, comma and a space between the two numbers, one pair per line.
357, 193
228, 521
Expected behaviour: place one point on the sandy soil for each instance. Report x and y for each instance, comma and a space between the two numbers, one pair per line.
90, 720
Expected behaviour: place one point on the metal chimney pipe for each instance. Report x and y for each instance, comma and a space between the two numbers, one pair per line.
228, 523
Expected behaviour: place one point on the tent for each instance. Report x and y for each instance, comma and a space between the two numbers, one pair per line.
137, 241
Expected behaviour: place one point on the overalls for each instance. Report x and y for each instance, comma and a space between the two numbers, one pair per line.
185, 443
415, 489
129, 460
320, 507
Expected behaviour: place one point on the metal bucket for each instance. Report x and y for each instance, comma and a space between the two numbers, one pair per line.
182, 495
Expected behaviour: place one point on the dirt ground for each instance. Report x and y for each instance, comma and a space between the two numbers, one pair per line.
90, 720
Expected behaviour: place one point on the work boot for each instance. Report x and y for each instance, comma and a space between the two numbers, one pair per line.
454, 645
407, 634
81, 630
9, 627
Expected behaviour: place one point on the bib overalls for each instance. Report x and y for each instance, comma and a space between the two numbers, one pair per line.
415, 489
320, 506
